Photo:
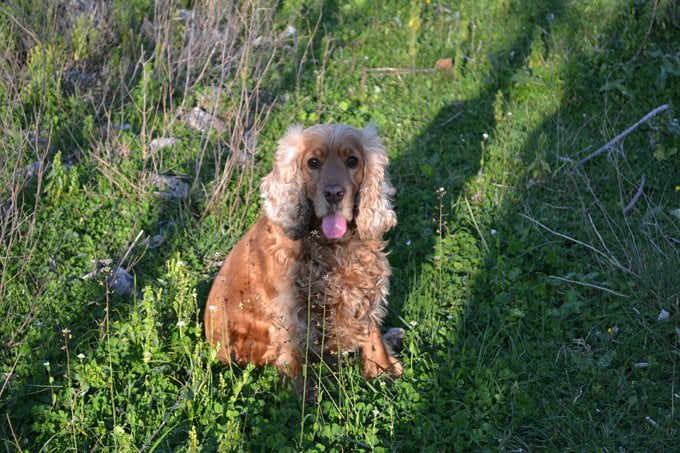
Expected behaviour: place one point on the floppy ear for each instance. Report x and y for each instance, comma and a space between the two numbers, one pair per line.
282, 192
376, 215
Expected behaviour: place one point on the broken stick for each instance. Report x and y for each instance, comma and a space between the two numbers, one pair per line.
625, 133
636, 197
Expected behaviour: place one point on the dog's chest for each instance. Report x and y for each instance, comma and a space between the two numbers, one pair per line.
342, 290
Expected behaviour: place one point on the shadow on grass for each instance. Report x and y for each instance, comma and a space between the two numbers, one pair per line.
448, 154
496, 382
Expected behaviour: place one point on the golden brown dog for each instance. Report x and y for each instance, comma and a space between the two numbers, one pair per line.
310, 279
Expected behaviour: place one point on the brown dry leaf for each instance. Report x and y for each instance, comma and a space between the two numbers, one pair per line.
444, 64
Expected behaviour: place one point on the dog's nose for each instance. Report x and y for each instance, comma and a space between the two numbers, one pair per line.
333, 193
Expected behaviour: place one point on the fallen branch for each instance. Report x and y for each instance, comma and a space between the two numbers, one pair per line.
390, 71
636, 197
590, 285
625, 133
443, 64
386, 71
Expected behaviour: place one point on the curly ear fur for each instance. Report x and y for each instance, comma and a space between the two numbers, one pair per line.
375, 215
282, 189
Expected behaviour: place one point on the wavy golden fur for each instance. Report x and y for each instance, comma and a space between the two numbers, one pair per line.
310, 278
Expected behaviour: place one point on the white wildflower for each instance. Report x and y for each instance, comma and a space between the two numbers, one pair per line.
449, 317
181, 323
493, 232
66, 331
485, 135
408, 242
663, 316
81, 356
413, 323
46, 363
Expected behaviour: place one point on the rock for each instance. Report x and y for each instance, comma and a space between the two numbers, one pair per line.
28, 172
121, 282
201, 120
185, 14
209, 100
160, 143
169, 186
155, 241
289, 32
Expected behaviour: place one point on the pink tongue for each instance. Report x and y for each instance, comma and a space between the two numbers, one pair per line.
334, 226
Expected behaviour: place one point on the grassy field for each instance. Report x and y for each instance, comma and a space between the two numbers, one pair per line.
540, 289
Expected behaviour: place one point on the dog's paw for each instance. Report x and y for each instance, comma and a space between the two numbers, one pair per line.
391, 367
394, 340
395, 369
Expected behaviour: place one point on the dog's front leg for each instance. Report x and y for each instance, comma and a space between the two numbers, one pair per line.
377, 359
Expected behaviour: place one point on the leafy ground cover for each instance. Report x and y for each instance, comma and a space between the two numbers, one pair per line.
539, 315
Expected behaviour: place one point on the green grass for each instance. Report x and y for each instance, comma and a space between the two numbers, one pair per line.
530, 300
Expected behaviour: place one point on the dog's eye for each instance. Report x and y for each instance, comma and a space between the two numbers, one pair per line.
352, 162
314, 164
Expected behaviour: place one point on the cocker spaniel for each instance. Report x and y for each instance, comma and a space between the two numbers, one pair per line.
310, 279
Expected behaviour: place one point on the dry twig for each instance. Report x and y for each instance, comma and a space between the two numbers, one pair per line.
625, 133
636, 197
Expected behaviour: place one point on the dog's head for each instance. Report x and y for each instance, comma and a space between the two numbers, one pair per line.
330, 175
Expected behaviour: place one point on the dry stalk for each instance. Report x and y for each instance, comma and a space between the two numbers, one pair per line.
589, 285
609, 258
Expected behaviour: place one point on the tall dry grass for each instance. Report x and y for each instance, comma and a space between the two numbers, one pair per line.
80, 77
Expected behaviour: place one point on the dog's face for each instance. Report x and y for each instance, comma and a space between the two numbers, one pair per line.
333, 176
332, 163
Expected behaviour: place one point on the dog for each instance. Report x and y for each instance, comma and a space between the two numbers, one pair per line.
309, 280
